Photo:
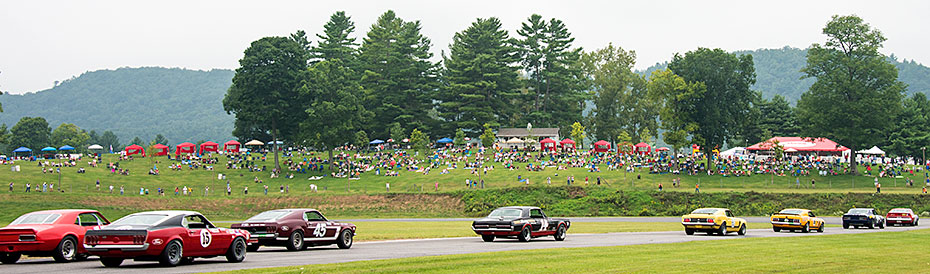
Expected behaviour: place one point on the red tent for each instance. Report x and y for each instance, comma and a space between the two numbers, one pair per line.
135, 149
161, 150
209, 147
642, 148
233, 144
547, 144
601, 146
662, 149
184, 148
567, 142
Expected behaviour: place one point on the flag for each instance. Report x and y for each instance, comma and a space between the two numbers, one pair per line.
111, 149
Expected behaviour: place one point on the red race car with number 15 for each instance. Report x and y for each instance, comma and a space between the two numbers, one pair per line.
169, 237
56, 233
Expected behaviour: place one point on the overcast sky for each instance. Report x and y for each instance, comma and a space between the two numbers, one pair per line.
45, 41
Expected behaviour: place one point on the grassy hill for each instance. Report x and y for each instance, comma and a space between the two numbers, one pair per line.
183, 105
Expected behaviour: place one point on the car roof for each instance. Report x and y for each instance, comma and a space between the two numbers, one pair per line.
801, 209
715, 208
64, 211
169, 212
295, 209
520, 207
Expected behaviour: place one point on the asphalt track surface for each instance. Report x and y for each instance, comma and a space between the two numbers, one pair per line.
361, 251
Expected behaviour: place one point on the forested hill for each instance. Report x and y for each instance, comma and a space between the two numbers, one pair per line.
181, 104
778, 72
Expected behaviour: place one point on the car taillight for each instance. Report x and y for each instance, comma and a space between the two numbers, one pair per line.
91, 240
138, 239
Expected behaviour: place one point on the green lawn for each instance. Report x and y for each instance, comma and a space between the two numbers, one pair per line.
886, 252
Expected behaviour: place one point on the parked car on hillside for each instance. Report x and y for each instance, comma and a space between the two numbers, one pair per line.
55, 233
867, 217
522, 222
794, 219
296, 229
718, 221
902, 216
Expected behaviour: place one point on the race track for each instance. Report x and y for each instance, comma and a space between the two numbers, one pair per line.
278, 256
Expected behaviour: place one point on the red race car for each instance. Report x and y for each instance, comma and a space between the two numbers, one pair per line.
169, 237
902, 216
56, 233
296, 229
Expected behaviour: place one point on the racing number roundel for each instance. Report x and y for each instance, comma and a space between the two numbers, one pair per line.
205, 238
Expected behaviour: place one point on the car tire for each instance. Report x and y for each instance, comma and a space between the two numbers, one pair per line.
689, 231
806, 228
524, 235
111, 262
560, 233
345, 239
487, 238
845, 225
9, 258
820, 228
871, 225
295, 241
776, 229
66, 250
742, 230
172, 254
915, 223
252, 247
723, 229
881, 225
237, 250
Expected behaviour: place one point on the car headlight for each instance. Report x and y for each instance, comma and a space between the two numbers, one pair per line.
285, 228
517, 222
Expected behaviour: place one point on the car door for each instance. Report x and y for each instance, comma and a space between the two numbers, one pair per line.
539, 222
318, 228
731, 221
203, 239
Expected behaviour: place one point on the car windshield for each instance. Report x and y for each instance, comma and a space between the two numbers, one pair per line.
791, 212
899, 210
36, 219
704, 211
139, 219
506, 213
268, 216
858, 211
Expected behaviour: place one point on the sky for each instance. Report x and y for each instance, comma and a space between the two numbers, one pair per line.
46, 41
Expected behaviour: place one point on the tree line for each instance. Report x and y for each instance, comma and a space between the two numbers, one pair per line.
35, 133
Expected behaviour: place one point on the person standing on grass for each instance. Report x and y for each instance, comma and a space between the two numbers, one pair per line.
245, 190
797, 180
266, 189
228, 189
697, 188
111, 189
549, 181
98, 185
436, 186
206, 190
387, 186
11, 186
660, 186
121, 190
878, 188
813, 184
177, 191
28, 186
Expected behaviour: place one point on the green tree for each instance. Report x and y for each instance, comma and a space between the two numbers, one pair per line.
398, 76
263, 95
31, 132
624, 141
578, 134
5, 138
677, 106
912, 129
360, 141
69, 134
488, 136
397, 132
108, 139
778, 118
480, 77
335, 41
335, 112
418, 139
857, 91
459, 138
160, 139
138, 141
727, 99
619, 95
553, 68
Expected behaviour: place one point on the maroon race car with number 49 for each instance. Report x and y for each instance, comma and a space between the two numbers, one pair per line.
169, 237
55, 233
296, 229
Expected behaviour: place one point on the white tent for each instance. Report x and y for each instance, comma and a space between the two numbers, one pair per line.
872, 151
791, 149
95, 147
514, 140
255, 143
736, 151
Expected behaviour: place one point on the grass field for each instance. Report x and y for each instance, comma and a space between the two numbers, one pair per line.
887, 252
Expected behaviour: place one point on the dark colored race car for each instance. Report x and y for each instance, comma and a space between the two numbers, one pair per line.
867, 217
55, 233
296, 229
169, 237
523, 222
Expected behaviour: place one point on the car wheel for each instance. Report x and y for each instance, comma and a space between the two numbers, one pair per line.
296, 241
806, 228
66, 250
820, 228
524, 235
689, 231
560, 234
776, 229
172, 254
487, 238
345, 239
915, 223
9, 258
742, 230
236, 252
871, 225
252, 248
881, 224
111, 262
845, 226
723, 229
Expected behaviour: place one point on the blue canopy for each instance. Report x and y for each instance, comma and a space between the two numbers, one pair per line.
49, 149
444, 141
22, 149
376, 142
66, 147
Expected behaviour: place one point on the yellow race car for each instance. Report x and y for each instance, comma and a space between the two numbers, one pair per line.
713, 220
793, 219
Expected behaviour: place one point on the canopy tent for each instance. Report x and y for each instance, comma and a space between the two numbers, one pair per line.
548, 144
444, 140
93, 147
209, 147
376, 142
872, 151
662, 149
405, 140
601, 146
567, 142
642, 148
21, 150
66, 147
184, 147
736, 151
514, 140
799, 144
231, 146
255, 143
161, 150
135, 149
390, 140
48, 149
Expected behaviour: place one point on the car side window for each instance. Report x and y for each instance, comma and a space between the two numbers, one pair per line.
810, 214
197, 221
729, 214
87, 219
101, 219
536, 213
313, 216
